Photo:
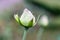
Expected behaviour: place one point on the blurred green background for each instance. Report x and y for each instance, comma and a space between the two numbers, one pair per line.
11, 30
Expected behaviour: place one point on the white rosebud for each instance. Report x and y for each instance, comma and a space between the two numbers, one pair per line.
27, 18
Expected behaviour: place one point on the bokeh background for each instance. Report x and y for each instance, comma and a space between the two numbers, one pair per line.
11, 30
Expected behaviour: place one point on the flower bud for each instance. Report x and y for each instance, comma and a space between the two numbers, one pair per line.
44, 21
27, 18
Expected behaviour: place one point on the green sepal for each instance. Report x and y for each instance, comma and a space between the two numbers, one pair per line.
30, 23
16, 17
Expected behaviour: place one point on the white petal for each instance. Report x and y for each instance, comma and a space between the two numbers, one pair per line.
26, 17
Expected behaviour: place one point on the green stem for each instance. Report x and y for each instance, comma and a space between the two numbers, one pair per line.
24, 35
40, 33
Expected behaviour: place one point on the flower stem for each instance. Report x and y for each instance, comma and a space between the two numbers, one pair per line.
24, 34
40, 33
